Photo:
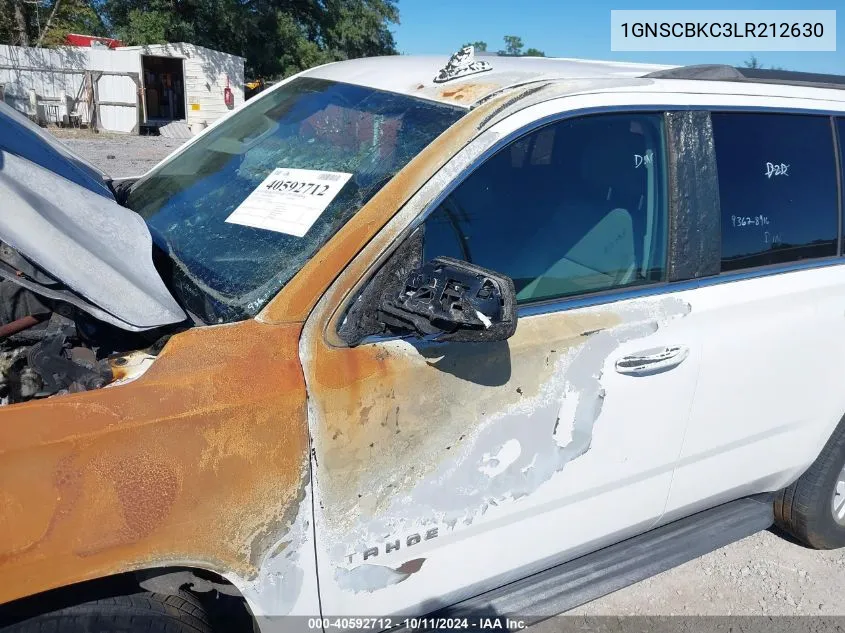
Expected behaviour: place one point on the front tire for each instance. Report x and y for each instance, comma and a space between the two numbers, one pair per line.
141, 612
813, 508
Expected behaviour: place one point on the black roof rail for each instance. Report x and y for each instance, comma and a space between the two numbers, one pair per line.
723, 72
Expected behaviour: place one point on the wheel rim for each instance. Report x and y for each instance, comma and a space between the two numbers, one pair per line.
838, 501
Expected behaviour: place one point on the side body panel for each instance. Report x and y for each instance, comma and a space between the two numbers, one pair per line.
443, 470
202, 461
770, 390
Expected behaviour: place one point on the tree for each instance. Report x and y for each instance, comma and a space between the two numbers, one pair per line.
513, 46
752, 62
480, 46
277, 37
18, 23
70, 16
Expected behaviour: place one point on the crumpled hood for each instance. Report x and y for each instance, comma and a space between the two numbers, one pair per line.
20, 136
77, 234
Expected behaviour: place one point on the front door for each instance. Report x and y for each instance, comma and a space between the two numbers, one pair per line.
445, 469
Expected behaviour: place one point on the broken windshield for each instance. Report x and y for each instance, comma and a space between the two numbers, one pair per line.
311, 153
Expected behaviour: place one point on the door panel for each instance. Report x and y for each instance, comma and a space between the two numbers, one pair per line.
769, 392
770, 387
444, 469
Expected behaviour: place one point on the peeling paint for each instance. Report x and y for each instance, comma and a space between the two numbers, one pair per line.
507, 454
468, 92
281, 576
369, 577
479, 425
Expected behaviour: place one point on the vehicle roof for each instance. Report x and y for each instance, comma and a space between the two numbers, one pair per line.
414, 74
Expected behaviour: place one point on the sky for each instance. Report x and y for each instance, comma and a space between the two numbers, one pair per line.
581, 28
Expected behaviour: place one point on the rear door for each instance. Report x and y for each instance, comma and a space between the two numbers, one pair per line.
773, 321
444, 469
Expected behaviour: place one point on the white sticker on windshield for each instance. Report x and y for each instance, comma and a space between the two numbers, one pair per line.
289, 200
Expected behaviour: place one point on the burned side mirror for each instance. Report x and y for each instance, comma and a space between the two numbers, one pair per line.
453, 300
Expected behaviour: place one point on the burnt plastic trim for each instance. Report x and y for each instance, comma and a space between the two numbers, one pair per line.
694, 213
571, 584
838, 150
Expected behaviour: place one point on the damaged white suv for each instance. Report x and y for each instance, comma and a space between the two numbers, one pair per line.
398, 338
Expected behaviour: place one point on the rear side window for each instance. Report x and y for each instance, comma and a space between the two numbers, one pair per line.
777, 187
578, 206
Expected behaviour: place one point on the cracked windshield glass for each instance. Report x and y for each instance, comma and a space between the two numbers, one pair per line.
222, 270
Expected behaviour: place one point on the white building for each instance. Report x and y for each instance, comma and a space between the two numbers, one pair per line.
173, 87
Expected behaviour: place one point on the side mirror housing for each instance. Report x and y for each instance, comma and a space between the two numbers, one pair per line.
453, 300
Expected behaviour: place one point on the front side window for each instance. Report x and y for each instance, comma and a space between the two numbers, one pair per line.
777, 188
224, 271
574, 207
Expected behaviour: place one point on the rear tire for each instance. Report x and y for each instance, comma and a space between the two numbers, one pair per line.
141, 612
813, 508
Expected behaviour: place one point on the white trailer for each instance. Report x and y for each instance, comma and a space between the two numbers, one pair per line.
172, 88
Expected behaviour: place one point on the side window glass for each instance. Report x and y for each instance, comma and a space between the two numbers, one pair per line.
777, 188
574, 207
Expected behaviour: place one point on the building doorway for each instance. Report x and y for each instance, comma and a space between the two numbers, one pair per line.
164, 88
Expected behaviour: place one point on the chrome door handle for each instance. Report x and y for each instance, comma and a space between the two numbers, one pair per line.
652, 361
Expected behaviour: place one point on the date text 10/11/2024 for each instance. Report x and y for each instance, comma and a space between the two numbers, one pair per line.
479, 623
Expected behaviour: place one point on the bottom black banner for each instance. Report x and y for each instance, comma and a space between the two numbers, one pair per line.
558, 624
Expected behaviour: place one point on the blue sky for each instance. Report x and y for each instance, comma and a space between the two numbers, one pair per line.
570, 28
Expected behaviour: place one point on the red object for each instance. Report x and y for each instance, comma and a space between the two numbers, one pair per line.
228, 95
74, 39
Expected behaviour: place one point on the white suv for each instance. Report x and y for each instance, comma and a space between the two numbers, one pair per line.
496, 336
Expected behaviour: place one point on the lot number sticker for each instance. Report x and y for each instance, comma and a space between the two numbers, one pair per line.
289, 200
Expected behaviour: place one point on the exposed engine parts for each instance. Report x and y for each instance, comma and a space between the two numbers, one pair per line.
43, 354
49, 348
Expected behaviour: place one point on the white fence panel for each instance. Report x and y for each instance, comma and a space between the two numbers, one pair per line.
113, 89
49, 72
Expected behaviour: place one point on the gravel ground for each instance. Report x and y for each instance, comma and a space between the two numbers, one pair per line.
765, 574
119, 155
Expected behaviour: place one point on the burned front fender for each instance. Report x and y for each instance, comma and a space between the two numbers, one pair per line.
201, 461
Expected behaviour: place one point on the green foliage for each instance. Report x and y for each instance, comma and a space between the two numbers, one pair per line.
513, 46
18, 22
70, 16
277, 37
480, 46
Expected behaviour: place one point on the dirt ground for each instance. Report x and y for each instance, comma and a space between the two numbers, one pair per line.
763, 575
119, 155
